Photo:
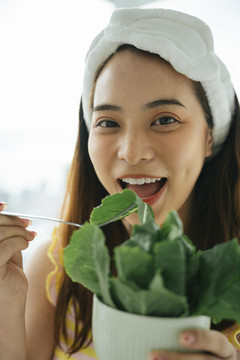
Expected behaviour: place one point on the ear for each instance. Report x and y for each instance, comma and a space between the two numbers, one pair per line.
209, 143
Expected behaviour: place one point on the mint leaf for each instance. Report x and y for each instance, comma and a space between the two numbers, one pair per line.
172, 227
226, 306
114, 207
134, 265
170, 257
157, 284
145, 214
190, 249
87, 261
158, 302
219, 282
145, 235
192, 281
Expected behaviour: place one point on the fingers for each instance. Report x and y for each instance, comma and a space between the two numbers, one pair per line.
14, 236
209, 345
210, 340
7, 232
10, 246
13, 221
3, 206
12, 240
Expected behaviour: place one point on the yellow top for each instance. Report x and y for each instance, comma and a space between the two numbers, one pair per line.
55, 254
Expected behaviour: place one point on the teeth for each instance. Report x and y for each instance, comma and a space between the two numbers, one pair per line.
141, 181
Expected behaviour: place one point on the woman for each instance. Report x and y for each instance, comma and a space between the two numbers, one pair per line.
159, 116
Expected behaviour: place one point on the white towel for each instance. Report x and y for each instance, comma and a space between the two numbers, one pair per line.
183, 40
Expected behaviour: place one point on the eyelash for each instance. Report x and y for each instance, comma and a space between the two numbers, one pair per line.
101, 122
165, 124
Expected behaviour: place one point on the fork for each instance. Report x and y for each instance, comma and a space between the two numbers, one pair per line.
25, 216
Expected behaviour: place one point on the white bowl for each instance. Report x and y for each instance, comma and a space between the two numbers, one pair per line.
118, 335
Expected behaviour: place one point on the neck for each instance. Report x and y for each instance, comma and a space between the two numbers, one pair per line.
185, 213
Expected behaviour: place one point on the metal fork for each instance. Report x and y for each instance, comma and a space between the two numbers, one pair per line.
25, 216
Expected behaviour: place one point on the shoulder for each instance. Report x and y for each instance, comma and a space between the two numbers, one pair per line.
37, 270
39, 264
46, 261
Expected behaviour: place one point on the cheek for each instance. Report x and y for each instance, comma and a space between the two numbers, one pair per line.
93, 150
99, 156
178, 155
189, 149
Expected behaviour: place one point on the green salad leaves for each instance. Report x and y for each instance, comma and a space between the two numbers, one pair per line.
159, 270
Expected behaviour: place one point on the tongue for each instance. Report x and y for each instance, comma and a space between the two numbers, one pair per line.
145, 190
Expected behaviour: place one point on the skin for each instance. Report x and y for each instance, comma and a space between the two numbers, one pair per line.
127, 137
137, 146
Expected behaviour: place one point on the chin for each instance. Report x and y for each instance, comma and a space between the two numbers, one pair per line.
131, 220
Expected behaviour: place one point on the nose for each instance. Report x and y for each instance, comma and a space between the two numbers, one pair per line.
135, 147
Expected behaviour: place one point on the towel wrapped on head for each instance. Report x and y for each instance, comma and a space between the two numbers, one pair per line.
183, 40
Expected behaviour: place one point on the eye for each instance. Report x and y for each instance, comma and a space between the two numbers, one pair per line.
165, 121
107, 124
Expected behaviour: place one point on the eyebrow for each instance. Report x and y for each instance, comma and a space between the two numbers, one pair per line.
162, 102
147, 106
107, 107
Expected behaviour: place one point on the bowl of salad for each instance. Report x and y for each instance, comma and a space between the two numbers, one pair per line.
163, 286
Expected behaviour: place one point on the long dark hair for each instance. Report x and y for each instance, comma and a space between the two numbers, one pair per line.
215, 217
216, 211
84, 191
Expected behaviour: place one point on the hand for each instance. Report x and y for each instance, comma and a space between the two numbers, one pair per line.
212, 344
13, 238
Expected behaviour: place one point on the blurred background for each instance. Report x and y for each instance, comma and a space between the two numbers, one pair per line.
42, 50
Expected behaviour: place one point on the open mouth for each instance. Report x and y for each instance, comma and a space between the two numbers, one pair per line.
145, 188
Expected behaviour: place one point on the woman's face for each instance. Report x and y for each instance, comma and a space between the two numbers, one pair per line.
148, 133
